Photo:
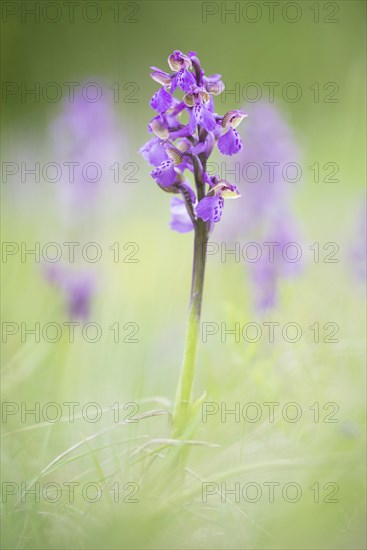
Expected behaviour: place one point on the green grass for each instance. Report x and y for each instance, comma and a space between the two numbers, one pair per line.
171, 512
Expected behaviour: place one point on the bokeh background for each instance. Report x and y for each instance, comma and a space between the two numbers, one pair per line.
146, 301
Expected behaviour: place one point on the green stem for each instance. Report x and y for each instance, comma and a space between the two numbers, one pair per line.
183, 399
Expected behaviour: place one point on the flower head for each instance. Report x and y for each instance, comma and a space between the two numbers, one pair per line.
178, 147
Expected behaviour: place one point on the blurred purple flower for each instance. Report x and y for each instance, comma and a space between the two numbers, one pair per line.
271, 153
180, 220
86, 137
279, 259
265, 214
76, 287
87, 144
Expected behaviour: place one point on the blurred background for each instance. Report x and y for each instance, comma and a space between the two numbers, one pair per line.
108, 313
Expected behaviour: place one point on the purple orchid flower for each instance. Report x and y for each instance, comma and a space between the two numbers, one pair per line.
177, 147
210, 208
199, 100
165, 174
169, 170
180, 63
230, 143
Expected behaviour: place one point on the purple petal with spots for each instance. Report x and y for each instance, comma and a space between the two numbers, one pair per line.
230, 143
161, 101
210, 208
165, 173
185, 80
204, 117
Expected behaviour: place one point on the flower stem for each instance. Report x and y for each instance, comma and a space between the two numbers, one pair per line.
183, 399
